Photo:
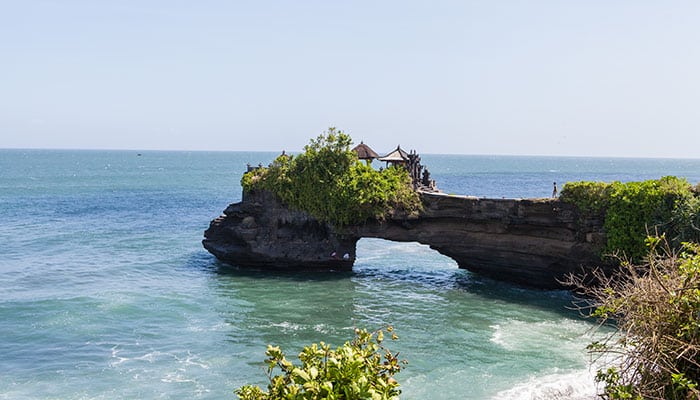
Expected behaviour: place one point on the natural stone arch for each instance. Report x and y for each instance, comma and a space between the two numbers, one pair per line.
535, 242
371, 250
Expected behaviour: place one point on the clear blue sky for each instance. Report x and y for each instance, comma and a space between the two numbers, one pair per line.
588, 78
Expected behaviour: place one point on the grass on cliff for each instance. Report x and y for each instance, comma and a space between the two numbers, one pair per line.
329, 182
632, 211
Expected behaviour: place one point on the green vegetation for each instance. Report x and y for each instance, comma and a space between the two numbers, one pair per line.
634, 210
654, 353
654, 300
330, 183
360, 369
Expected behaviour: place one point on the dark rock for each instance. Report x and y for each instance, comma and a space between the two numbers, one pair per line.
534, 242
261, 232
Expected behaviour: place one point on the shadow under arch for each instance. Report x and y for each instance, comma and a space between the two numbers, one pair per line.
420, 265
393, 263
403, 254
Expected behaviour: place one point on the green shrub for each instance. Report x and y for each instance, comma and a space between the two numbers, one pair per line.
634, 210
360, 369
330, 183
590, 197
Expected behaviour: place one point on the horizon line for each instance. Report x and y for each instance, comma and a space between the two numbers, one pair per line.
300, 151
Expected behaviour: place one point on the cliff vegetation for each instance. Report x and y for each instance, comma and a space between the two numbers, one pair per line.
632, 211
653, 300
654, 306
329, 182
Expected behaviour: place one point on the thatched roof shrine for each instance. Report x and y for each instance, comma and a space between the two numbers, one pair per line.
364, 152
397, 156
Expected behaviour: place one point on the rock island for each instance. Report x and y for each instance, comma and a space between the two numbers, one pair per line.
533, 242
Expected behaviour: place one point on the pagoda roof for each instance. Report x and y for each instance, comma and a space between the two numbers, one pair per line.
364, 152
397, 155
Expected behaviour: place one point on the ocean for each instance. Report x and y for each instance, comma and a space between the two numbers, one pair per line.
107, 293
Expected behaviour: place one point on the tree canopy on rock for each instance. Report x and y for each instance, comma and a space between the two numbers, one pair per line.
329, 182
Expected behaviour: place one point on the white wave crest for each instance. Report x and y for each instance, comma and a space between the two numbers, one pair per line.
574, 385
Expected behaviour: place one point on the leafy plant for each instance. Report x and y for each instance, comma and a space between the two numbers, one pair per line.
590, 197
328, 181
360, 369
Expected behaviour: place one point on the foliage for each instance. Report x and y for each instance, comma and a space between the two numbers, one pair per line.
633, 210
654, 352
330, 183
590, 197
360, 369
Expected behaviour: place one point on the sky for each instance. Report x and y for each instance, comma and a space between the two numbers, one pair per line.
530, 77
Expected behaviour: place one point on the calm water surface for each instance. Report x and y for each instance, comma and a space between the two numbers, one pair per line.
106, 292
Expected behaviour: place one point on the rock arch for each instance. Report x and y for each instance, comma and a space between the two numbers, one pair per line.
534, 242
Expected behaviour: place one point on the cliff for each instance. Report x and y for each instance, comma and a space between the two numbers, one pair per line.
261, 232
534, 242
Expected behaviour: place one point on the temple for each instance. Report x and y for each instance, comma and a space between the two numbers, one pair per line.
534, 242
420, 176
396, 157
365, 152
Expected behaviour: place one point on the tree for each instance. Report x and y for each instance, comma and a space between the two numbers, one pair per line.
328, 181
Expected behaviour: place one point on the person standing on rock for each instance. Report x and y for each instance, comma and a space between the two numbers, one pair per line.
555, 191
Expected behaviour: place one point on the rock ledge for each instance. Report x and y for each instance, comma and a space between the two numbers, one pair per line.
533, 242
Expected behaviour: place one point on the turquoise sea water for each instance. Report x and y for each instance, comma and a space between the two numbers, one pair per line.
106, 292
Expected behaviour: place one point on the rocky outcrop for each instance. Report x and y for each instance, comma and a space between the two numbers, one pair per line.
533, 242
261, 232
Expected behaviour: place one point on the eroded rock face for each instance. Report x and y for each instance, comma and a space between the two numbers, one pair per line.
532, 242
260, 232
